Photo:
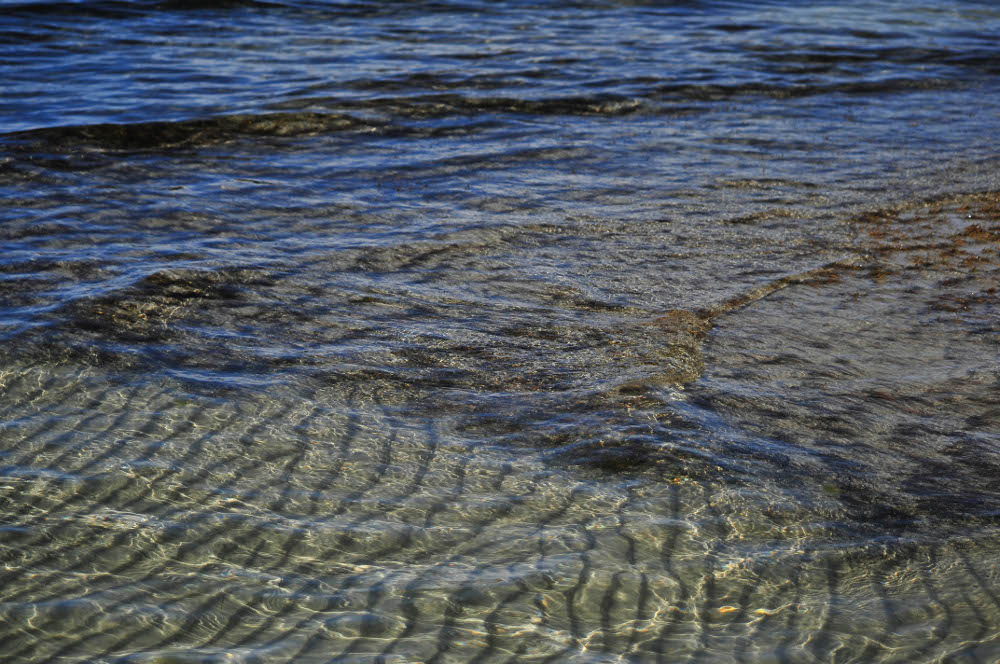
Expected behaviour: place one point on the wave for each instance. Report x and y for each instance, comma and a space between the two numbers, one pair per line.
400, 115
185, 133
112, 9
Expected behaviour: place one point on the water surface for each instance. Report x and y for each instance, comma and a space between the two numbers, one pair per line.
465, 332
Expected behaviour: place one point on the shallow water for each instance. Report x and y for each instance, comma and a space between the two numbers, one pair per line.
430, 332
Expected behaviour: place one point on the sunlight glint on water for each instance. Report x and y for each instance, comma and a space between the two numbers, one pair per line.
463, 332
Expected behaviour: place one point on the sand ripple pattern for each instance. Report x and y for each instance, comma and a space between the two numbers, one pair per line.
150, 517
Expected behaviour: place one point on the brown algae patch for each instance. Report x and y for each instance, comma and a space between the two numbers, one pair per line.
957, 235
880, 377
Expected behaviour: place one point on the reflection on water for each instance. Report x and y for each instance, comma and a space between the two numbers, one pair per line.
455, 332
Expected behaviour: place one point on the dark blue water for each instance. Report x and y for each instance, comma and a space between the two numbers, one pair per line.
499, 332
